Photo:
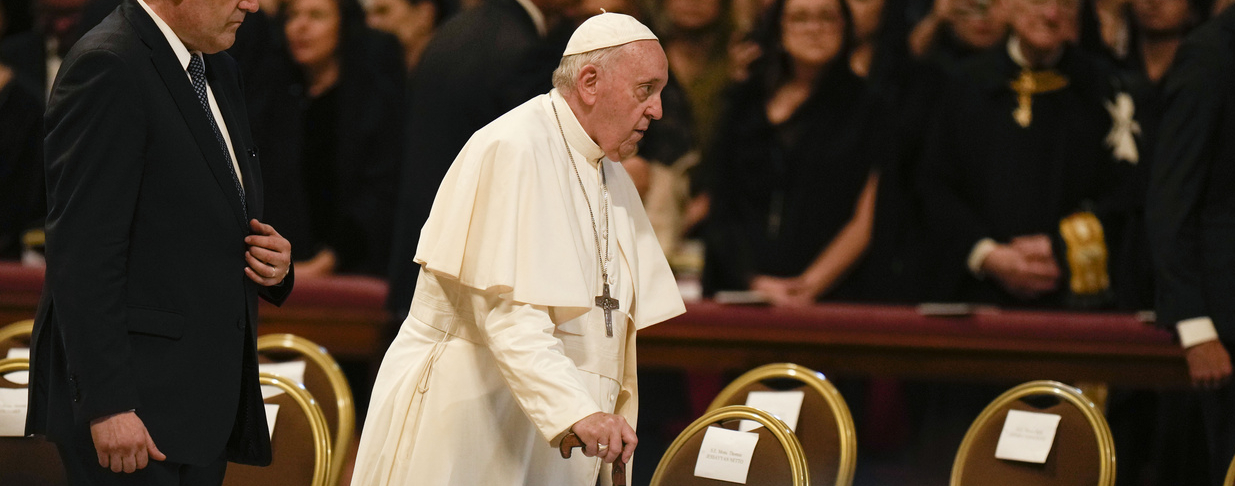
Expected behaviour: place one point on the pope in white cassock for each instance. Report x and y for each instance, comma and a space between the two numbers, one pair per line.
538, 267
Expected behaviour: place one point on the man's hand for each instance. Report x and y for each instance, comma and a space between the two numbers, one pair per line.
1025, 268
269, 255
122, 442
1035, 247
606, 436
1209, 364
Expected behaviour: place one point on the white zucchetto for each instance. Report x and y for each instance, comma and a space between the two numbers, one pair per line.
607, 30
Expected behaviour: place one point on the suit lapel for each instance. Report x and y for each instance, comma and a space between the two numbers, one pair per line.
181, 90
237, 126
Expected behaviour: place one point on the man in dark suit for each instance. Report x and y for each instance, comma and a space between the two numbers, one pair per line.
1191, 221
480, 64
144, 342
1020, 144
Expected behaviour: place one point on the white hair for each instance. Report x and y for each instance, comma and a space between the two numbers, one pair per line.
568, 70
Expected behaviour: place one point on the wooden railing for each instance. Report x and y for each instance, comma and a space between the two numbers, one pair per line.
345, 314
988, 345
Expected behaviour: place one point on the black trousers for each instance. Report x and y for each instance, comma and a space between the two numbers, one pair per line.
81, 465
1218, 417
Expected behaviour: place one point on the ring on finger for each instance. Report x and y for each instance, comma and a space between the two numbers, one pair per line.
602, 447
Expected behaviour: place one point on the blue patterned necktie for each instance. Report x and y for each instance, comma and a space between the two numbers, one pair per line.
197, 71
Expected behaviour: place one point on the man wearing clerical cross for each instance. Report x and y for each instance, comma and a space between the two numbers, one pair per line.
1031, 183
538, 266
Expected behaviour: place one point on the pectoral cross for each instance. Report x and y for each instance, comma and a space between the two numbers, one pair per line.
1030, 83
609, 304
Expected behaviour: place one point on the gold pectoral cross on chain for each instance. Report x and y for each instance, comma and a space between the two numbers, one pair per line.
1028, 84
608, 304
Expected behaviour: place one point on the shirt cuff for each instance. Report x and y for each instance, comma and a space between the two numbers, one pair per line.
1195, 331
978, 255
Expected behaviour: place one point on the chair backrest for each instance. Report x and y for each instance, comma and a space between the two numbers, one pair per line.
778, 459
1230, 475
31, 461
15, 335
1083, 452
301, 442
325, 381
825, 426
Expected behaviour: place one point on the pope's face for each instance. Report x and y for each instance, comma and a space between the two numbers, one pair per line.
628, 97
205, 25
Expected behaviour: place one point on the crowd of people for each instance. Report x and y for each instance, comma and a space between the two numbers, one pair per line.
877, 150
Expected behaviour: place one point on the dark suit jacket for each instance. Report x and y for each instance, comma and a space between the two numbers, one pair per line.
146, 305
1190, 210
479, 65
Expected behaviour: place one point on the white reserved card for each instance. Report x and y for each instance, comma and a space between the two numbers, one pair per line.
785, 405
13, 412
272, 411
18, 377
725, 455
292, 370
1027, 436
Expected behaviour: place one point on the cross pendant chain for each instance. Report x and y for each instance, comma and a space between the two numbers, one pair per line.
604, 301
609, 304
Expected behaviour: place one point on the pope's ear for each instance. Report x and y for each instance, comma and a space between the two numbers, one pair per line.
586, 84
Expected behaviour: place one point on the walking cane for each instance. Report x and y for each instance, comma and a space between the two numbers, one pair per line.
572, 441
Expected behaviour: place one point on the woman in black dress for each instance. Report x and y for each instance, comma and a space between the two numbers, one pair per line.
327, 114
793, 166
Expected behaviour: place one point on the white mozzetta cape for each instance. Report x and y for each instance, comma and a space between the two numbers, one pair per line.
504, 219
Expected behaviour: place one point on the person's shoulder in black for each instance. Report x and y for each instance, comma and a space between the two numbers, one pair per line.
473, 70
21, 163
25, 54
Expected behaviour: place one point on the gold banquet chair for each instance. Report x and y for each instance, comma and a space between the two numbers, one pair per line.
28, 461
1083, 452
325, 381
1230, 475
15, 335
300, 445
825, 426
778, 459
